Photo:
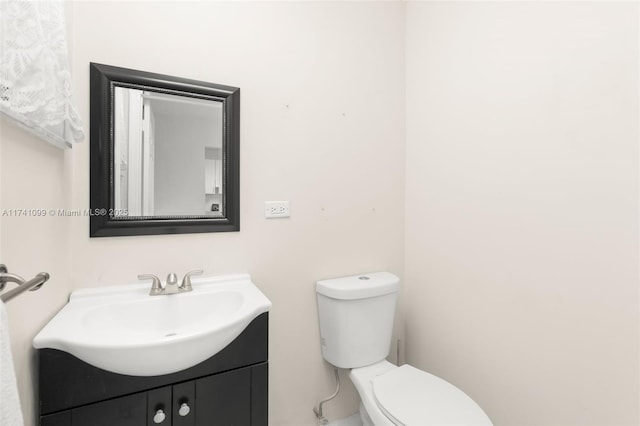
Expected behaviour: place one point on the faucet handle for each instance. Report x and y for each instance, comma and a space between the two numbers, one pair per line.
156, 287
186, 281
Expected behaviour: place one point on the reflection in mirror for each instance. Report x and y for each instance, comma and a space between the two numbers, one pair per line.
168, 157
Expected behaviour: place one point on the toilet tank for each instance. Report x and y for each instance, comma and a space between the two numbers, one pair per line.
356, 318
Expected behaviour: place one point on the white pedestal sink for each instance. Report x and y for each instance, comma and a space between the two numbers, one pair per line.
124, 330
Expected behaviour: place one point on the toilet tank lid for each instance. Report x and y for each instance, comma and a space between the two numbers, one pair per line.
359, 286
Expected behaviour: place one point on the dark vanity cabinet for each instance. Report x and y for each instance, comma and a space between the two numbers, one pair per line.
228, 389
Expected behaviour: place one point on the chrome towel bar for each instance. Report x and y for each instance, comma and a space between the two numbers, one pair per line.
23, 285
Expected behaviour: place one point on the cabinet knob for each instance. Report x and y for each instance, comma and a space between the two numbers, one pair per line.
159, 416
184, 409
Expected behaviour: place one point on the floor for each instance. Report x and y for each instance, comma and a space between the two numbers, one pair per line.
353, 420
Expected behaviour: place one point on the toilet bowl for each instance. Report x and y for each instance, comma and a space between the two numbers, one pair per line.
356, 320
405, 395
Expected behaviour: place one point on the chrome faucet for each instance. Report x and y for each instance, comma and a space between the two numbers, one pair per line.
171, 287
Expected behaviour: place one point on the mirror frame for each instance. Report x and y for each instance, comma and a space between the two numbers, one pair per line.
103, 80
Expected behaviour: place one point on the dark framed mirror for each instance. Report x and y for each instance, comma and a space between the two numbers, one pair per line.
165, 154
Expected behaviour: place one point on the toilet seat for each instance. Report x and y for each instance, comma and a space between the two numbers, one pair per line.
408, 396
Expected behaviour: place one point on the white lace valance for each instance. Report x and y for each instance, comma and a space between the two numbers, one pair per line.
35, 83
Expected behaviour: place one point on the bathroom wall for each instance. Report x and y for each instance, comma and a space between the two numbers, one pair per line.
322, 100
322, 126
521, 263
33, 175
521, 279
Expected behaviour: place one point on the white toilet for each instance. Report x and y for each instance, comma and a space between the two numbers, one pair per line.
356, 319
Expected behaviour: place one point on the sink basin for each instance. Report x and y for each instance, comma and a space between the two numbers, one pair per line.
124, 330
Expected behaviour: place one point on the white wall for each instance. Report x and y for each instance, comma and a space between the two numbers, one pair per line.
522, 206
33, 175
179, 169
322, 101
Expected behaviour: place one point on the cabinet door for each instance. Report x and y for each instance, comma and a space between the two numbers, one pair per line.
184, 398
58, 419
159, 407
126, 411
224, 399
260, 395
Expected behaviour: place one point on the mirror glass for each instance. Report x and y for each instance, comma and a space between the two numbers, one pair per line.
168, 157
165, 154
